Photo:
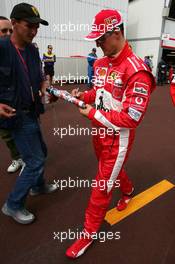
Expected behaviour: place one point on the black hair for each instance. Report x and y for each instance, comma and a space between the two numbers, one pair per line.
3, 18
49, 46
118, 28
121, 27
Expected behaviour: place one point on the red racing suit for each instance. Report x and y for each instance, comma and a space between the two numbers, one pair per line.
172, 89
121, 94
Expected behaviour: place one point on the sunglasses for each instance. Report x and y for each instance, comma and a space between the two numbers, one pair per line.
5, 30
105, 36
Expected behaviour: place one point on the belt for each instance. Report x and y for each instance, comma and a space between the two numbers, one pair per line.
27, 110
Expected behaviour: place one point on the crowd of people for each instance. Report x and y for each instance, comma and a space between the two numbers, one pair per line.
121, 92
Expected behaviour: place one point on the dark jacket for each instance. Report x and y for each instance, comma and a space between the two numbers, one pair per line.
12, 75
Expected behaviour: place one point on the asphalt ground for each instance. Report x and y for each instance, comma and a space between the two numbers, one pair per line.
146, 236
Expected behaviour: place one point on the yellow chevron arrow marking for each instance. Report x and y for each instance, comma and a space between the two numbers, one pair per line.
113, 216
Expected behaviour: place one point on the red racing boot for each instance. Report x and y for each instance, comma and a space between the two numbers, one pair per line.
123, 202
79, 246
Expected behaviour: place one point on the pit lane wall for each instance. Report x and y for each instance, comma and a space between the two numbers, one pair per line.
145, 26
169, 32
71, 69
67, 42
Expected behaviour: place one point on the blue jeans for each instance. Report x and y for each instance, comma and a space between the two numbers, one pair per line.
90, 75
29, 141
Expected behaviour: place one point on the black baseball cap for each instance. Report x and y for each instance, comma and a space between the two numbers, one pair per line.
27, 13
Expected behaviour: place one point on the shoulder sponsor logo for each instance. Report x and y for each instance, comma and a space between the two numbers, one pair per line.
134, 114
140, 90
139, 100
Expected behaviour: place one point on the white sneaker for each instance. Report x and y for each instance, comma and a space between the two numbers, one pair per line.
22, 216
15, 166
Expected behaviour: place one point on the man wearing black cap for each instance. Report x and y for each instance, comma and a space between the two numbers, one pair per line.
21, 84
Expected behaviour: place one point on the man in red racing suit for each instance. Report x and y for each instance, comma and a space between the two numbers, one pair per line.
121, 92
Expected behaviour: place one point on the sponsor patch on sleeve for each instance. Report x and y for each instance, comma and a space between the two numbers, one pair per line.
134, 114
141, 88
139, 102
140, 97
